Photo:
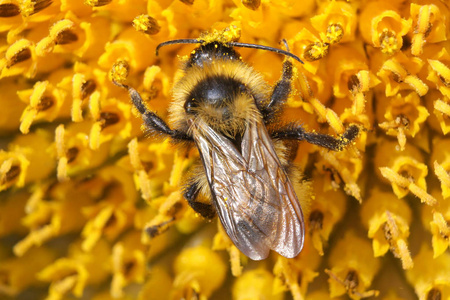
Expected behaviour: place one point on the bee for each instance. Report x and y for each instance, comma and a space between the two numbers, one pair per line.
226, 109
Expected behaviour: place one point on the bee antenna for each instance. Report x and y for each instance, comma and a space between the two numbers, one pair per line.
276, 50
180, 41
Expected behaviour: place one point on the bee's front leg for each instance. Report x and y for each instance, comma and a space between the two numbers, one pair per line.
279, 94
205, 210
152, 121
297, 132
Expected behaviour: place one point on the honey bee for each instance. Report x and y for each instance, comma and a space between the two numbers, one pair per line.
226, 109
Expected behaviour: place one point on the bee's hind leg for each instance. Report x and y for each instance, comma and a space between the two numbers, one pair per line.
152, 121
297, 132
205, 210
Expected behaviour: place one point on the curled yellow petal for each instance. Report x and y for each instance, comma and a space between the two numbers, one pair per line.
429, 23
255, 284
430, 276
20, 58
387, 219
352, 272
440, 75
194, 274
403, 182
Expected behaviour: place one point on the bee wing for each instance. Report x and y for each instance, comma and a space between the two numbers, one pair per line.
254, 198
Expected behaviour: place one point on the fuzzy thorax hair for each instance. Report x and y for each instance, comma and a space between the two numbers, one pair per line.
242, 87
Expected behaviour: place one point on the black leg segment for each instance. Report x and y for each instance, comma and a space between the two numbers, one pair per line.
153, 121
205, 210
296, 132
280, 93
281, 90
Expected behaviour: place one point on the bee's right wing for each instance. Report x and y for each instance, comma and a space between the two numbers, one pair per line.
254, 198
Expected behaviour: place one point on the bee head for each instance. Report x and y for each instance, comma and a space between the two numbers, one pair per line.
221, 101
209, 52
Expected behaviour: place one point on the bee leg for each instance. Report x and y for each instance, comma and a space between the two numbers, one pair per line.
296, 132
153, 121
205, 210
281, 90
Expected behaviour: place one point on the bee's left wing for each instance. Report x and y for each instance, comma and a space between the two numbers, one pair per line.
254, 198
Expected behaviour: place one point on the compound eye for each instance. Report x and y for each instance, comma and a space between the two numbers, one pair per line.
190, 105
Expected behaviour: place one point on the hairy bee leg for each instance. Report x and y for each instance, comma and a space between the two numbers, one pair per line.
281, 90
152, 120
296, 132
205, 210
